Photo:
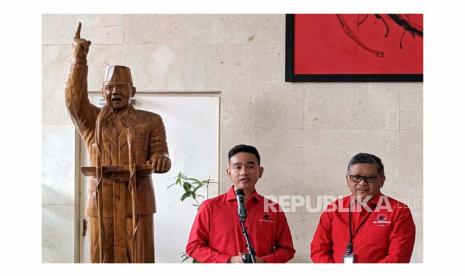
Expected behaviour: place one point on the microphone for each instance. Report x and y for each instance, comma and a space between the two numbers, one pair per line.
242, 212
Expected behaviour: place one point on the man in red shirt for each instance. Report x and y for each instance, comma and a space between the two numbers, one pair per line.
366, 227
216, 235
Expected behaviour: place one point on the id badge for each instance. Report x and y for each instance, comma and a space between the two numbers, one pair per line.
349, 259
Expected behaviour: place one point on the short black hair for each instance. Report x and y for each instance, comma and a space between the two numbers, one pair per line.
366, 158
244, 148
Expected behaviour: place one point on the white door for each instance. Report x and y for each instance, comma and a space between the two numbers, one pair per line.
192, 129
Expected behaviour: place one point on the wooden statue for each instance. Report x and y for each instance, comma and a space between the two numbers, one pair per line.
125, 146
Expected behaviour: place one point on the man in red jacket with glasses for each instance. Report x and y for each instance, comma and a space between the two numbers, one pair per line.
367, 226
216, 235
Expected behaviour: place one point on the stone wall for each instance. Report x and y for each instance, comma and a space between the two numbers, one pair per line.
305, 132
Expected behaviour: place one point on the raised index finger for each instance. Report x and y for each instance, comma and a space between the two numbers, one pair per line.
77, 35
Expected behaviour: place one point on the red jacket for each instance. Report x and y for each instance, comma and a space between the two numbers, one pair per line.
383, 237
216, 234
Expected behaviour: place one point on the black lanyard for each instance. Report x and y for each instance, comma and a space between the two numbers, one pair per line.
349, 248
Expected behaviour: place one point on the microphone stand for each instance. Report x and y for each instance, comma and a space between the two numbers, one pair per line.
250, 256
242, 212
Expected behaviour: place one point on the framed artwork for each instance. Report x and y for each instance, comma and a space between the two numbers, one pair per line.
354, 47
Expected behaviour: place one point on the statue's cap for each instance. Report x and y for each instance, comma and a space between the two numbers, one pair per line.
117, 73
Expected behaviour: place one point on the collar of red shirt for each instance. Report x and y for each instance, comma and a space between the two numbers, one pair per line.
231, 195
372, 202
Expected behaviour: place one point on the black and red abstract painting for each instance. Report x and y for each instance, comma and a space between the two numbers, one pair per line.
354, 47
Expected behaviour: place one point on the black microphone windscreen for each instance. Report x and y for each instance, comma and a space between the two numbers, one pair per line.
239, 192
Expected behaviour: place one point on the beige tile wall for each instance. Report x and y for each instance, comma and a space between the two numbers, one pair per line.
306, 132
58, 196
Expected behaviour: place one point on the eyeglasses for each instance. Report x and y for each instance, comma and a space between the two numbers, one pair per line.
359, 178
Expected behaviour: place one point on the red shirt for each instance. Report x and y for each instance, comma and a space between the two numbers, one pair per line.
383, 237
216, 234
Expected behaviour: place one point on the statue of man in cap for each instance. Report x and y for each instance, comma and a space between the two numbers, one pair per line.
125, 146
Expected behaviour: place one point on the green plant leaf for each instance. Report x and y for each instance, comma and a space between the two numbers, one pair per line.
187, 186
185, 195
196, 188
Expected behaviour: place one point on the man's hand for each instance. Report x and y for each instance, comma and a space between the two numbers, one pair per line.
236, 259
80, 45
259, 260
160, 163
